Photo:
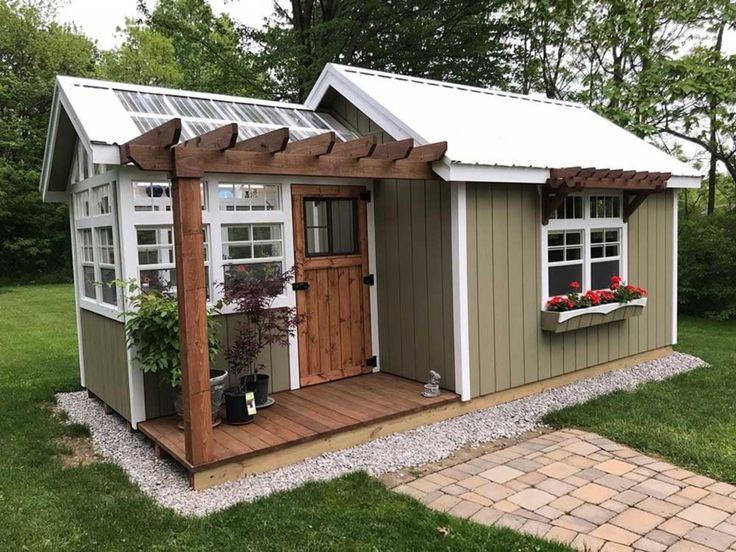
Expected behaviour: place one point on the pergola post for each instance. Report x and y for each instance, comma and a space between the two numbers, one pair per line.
193, 331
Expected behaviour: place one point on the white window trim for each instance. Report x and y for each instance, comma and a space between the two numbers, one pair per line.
586, 224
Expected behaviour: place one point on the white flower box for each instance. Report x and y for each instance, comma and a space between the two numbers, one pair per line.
576, 319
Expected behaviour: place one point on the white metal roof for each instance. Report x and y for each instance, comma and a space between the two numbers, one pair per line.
106, 113
494, 135
113, 113
491, 135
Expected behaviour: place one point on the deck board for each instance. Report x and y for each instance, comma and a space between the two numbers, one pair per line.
303, 415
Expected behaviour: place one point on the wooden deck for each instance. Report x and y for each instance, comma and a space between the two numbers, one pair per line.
316, 416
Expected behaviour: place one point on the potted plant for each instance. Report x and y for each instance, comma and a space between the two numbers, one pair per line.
152, 328
252, 292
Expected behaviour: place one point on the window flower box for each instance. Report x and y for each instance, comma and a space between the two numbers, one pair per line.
565, 321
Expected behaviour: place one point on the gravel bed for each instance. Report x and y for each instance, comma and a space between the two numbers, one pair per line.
166, 481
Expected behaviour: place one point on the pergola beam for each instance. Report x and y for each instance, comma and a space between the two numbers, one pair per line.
428, 153
283, 163
356, 149
399, 149
637, 186
269, 142
320, 144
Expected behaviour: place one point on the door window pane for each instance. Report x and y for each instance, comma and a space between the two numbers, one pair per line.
331, 226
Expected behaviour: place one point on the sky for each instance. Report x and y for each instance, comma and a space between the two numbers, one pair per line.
99, 19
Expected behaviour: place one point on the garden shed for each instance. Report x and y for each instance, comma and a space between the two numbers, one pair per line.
430, 224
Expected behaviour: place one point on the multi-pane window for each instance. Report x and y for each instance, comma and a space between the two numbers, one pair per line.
564, 259
87, 260
605, 256
585, 243
106, 262
102, 199
248, 197
156, 259
331, 226
605, 206
81, 204
155, 195
571, 208
252, 249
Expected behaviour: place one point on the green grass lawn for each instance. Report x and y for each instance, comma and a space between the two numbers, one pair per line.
689, 420
44, 506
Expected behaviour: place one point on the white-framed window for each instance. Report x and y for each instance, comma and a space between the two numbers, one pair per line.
157, 260
150, 195
87, 261
585, 241
237, 196
106, 264
81, 204
102, 199
252, 249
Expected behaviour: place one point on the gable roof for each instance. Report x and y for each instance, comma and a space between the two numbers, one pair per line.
494, 135
103, 114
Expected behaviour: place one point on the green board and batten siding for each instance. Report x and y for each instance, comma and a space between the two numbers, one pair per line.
414, 279
507, 346
105, 360
413, 266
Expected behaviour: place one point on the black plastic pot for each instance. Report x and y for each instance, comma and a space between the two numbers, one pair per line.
259, 386
236, 411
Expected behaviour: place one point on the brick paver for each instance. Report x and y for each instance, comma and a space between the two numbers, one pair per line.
586, 491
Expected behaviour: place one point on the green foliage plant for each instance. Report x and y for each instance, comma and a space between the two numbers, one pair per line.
152, 329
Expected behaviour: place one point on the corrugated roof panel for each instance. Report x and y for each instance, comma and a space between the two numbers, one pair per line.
494, 128
115, 113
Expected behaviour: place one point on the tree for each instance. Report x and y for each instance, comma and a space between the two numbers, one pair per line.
212, 53
146, 57
34, 237
455, 40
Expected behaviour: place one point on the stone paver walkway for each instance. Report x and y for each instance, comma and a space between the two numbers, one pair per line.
587, 491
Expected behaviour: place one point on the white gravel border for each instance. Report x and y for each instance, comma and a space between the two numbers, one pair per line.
167, 483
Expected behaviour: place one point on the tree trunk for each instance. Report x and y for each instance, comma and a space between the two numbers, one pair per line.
713, 138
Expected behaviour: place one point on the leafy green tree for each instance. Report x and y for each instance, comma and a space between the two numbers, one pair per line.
455, 40
34, 238
212, 53
146, 57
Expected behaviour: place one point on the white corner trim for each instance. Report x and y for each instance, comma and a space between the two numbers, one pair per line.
372, 269
599, 309
289, 261
675, 226
460, 289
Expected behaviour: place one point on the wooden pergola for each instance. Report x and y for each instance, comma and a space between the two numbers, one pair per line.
637, 186
219, 151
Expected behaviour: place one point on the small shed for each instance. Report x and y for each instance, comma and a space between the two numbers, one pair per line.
455, 214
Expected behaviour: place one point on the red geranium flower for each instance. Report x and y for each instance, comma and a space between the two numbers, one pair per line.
615, 282
575, 285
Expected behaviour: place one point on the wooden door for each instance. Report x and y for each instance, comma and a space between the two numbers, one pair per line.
331, 252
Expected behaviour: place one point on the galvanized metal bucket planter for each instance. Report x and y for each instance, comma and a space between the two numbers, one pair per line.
558, 322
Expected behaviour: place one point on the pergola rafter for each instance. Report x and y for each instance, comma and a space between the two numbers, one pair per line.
637, 186
218, 151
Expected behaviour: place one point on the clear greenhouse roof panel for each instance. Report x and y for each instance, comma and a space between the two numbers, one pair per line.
199, 115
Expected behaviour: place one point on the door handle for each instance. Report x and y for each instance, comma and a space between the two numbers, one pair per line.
300, 286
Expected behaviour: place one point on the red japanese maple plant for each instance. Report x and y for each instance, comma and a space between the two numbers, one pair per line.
618, 292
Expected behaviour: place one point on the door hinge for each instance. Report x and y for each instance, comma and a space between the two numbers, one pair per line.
365, 195
300, 286
369, 280
372, 361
